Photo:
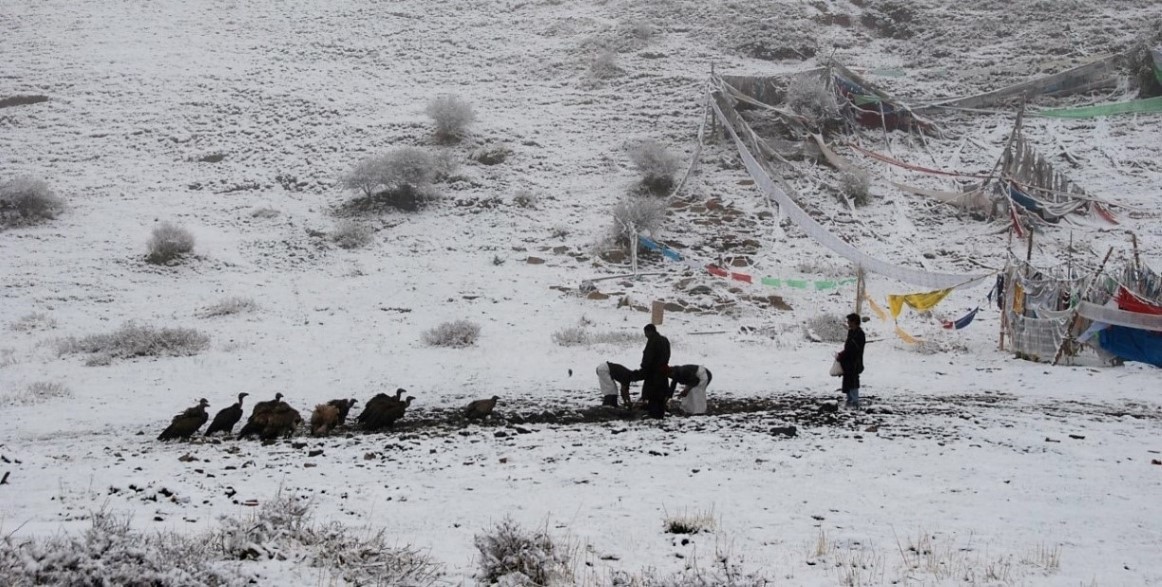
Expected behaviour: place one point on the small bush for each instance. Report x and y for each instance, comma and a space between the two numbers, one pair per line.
633, 215
813, 99
856, 186
511, 555
265, 212
494, 155
37, 393
524, 199
689, 523
604, 65
826, 328
460, 333
32, 322
229, 307
581, 336
656, 165
133, 340
399, 179
109, 553
351, 234
169, 242
452, 116
27, 200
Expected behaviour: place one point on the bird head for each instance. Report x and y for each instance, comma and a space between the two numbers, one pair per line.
410, 398
242, 395
278, 396
203, 402
351, 402
495, 397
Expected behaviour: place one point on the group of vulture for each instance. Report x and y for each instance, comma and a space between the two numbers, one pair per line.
275, 418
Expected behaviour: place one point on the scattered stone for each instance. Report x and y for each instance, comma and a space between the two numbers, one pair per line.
1047, 439
535, 261
787, 431
315, 453
187, 458
1077, 437
828, 407
596, 295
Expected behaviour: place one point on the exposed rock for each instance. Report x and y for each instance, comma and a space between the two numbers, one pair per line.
535, 261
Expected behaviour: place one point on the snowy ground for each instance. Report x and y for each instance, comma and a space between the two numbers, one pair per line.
997, 461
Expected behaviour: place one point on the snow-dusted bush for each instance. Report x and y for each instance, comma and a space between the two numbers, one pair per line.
352, 234
109, 553
169, 242
826, 328
524, 199
265, 212
511, 555
689, 523
452, 115
812, 98
37, 393
582, 336
134, 340
855, 186
398, 179
633, 215
229, 307
656, 165
604, 65
571, 336
32, 322
282, 529
27, 200
459, 333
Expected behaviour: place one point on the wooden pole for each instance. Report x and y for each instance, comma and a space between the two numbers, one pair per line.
1074, 318
1137, 262
860, 290
633, 250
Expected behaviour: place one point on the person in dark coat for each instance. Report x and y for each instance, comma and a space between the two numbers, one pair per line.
851, 359
654, 371
613, 376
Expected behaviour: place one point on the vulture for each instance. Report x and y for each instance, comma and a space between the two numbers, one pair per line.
258, 416
325, 418
281, 420
377, 403
186, 423
385, 414
480, 408
344, 406
225, 420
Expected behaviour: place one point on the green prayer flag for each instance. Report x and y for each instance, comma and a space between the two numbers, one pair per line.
825, 284
797, 283
773, 282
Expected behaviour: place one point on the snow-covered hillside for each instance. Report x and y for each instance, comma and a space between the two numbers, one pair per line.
236, 121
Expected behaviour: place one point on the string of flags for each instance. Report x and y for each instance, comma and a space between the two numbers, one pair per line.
804, 284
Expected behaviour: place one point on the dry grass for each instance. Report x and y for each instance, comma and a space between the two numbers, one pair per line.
229, 307
455, 334
135, 340
33, 322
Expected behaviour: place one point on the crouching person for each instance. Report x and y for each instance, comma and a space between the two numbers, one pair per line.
613, 376
695, 378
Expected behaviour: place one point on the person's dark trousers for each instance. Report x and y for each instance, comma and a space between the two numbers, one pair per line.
656, 408
655, 391
609, 400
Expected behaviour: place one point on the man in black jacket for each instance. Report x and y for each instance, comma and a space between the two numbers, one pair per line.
655, 367
611, 376
851, 359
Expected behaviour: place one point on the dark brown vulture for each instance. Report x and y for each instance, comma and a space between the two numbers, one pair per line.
225, 419
385, 414
186, 423
344, 406
378, 403
281, 420
480, 408
257, 420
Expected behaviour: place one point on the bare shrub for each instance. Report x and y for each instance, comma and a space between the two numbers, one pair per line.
511, 555
265, 213
452, 115
826, 328
581, 335
352, 234
283, 525
812, 98
229, 307
27, 200
37, 393
689, 523
399, 179
524, 199
656, 165
604, 65
32, 322
492, 155
633, 215
134, 340
571, 336
855, 186
456, 334
168, 243
110, 553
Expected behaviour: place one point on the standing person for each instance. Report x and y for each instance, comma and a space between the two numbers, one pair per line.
655, 364
610, 376
695, 378
851, 359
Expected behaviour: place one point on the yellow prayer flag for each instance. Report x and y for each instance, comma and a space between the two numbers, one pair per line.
904, 336
920, 302
879, 312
